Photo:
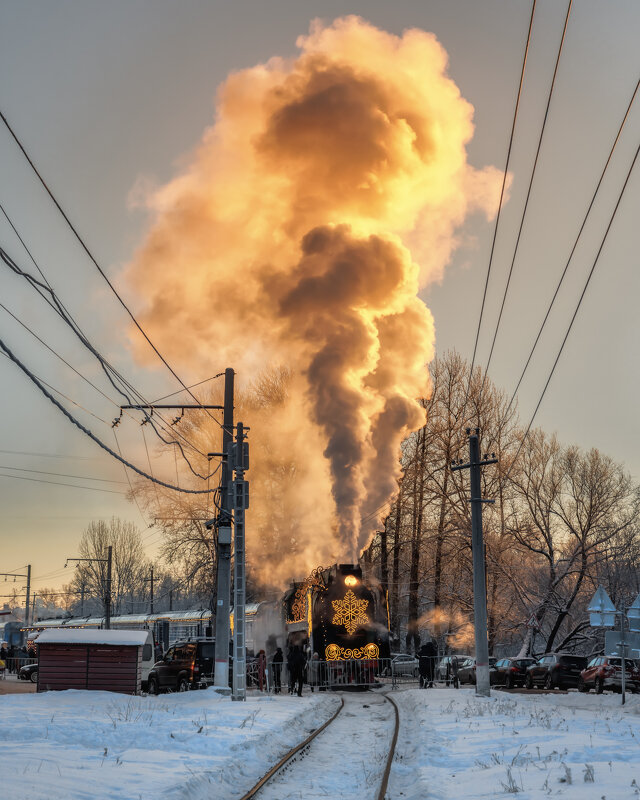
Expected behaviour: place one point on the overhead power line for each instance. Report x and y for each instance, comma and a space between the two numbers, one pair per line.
575, 244
500, 203
45, 455
112, 374
528, 195
575, 313
95, 263
87, 432
60, 483
60, 474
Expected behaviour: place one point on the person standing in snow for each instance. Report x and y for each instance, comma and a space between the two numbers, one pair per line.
290, 667
314, 671
426, 661
278, 658
299, 662
262, 666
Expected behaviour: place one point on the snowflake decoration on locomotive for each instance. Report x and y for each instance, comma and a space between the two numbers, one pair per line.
350, 612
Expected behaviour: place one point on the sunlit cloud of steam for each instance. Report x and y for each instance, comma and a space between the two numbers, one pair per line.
327, 192
459, 629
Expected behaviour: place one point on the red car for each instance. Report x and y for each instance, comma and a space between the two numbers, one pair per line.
605, 672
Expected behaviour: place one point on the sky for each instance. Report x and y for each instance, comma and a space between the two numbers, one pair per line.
111, 97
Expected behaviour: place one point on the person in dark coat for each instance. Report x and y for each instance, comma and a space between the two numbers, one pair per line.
276, 665
426, 663
290, 667
299, 662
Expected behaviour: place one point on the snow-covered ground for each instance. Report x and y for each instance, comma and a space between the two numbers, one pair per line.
454, 745
74, 745
198, 745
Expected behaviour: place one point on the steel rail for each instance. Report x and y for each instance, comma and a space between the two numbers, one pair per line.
392, 750
288, 756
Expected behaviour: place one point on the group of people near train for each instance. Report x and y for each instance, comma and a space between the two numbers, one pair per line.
12, 657
300, 668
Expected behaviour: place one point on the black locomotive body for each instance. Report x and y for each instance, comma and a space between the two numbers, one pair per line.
338, 615
349, 616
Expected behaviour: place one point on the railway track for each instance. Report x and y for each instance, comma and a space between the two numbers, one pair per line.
307, 763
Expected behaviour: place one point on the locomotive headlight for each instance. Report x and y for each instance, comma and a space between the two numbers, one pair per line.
351, 580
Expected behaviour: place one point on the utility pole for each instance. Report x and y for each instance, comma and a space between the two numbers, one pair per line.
150, 580
82, 585
240, 503
223, 523
107, 596
27, 609
107, 585
477, 547
223, 565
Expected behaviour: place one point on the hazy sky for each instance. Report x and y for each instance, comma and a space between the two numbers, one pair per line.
110, 96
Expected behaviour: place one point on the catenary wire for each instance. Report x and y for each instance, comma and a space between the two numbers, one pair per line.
133, 494
60, 474
528, 195
573, 249
98, 267
575, 314
51, 298
500, 203
45, 455
69, 399
58, 483
165, 441
193, 386
87, 432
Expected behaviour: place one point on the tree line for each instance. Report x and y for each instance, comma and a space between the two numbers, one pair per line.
564, 520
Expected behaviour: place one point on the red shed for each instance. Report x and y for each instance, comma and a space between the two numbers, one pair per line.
82, 658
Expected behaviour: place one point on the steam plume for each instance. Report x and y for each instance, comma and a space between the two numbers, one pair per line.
325, 195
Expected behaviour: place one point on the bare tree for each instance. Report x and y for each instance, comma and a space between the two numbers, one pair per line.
129, 562
570, 511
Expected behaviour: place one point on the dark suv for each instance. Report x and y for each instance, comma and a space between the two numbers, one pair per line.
511, 672
555, 670
186, 665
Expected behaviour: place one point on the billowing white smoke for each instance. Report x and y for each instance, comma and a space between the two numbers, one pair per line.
326, 193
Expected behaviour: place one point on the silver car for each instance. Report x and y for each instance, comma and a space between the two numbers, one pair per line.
404, 664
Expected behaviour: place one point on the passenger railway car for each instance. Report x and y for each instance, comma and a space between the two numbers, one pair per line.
264, 625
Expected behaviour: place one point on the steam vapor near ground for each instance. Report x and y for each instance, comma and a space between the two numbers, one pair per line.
324, 196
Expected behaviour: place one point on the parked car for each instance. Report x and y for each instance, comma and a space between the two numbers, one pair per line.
186, 665
448, 666
555, 670
467, 670
510, 672
605, 672
29, 673
404, 664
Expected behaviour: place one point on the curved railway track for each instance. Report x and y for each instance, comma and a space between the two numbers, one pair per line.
265, 783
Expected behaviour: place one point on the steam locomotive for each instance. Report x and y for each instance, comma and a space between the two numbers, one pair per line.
338, 615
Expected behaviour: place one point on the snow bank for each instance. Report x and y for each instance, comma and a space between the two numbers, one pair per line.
578, 747
78, 744
92, 636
